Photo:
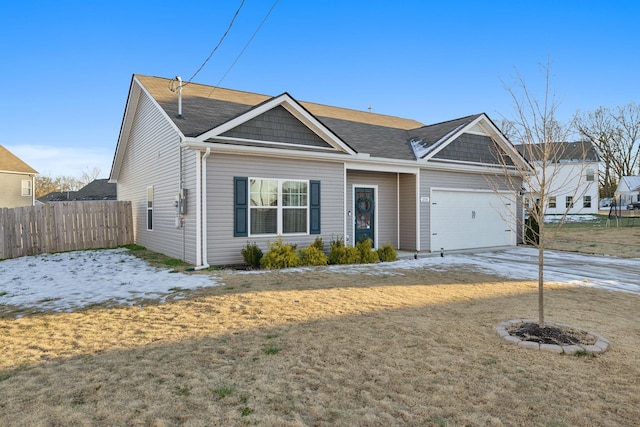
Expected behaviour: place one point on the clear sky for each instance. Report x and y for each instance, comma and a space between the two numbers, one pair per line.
66, 66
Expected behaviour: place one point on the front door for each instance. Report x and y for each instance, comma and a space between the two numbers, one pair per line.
365, 209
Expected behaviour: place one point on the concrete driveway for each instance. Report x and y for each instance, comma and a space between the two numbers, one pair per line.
620, 274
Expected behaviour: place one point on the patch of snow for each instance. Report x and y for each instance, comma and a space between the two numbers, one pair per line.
69, 280
571, 218
420, 151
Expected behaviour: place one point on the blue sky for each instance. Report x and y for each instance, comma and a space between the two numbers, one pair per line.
67, 66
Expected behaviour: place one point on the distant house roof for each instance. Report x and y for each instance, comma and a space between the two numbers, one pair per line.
580, 151
99, 189
632, 182
9, 162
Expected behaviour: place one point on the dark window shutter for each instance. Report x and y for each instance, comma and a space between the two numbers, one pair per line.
240, 206
314, 207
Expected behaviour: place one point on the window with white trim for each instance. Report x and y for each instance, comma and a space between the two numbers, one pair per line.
27, 189
586, 201
591, 175
568, 202
552, 202
278, 206
149, 208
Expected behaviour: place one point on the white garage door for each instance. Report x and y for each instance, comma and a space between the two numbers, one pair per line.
472, 219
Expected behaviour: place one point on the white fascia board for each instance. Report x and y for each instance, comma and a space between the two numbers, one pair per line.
454, 166
354, 162
135, 92
295, 109
382, 167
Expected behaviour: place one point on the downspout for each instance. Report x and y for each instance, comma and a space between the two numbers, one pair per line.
418, 207
198, 210
203, 229
398, 208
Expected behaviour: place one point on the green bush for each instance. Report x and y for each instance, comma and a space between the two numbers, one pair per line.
367, 255
313, 256
280, 255
318, 243
341, 254
532, 231
252, 254
387, 253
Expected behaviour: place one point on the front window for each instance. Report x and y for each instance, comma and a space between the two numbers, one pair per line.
552, 202
569, 202
586, 201
278, 206
26, 187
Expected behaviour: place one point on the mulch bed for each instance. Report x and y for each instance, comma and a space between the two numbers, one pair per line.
559, 335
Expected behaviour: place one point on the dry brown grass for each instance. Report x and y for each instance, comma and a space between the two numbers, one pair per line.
599, 238
324, 349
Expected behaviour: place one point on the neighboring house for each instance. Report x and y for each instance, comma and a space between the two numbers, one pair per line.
98, 189
571, 176
209, 169
628, 190
16, 181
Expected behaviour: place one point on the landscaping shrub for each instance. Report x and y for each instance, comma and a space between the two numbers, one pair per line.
532, 231
280, 255
367, 254
387, 253
341, 254
318, 243
252, 254
313, 256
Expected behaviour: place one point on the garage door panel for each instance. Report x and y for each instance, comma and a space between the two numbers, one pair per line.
471, 219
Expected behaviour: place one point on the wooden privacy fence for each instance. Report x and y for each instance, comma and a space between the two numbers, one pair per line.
64, 226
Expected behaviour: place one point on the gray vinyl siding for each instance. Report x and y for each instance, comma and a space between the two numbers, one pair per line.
461, 180
11, 190
407, 212
386, 203
223, 248
152, 159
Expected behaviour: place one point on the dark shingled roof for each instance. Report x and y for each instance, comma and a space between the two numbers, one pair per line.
99, 189
206, 107
559, 152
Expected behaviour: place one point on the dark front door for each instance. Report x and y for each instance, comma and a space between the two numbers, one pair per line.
365, 209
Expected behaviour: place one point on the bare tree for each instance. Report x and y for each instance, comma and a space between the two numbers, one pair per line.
616, 136
90, 175
541, 139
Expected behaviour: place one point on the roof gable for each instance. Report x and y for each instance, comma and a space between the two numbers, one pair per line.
277, 112
9, 162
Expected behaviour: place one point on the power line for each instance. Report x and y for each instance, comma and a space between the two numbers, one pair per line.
245, 47
218, 45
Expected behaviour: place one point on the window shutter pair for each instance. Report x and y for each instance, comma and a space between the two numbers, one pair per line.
241, 207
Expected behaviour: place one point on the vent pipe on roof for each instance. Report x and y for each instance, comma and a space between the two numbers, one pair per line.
179, 96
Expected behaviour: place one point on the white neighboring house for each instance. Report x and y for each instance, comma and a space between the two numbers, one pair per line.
628, 190
573, 182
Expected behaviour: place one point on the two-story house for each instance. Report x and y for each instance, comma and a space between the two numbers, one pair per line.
16, 181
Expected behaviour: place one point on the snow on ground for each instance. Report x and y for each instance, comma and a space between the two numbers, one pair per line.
65, 281
571, 218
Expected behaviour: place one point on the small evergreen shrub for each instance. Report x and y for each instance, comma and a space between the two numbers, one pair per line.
280, 255
252, 254
387, 253
341, 254
367, 254
318, 243
532, 231
312, 256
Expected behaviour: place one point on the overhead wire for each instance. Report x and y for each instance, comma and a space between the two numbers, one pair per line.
235, 15
244, 48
